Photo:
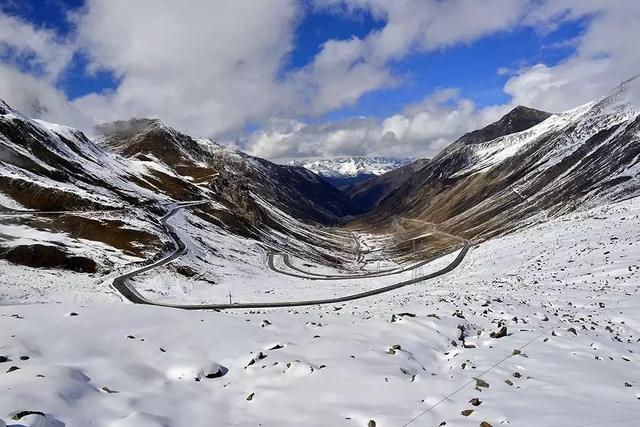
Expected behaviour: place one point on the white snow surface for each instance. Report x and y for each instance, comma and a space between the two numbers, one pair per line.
352, 166
567, 291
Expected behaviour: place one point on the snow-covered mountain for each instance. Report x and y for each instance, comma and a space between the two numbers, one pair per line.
576, 159
346, 167
127, 177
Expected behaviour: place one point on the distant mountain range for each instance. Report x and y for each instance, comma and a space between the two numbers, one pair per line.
344, 171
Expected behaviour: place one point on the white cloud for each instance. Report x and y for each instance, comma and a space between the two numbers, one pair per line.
606, 54
38, 49
38, 98
422, 130
45, 56
215, 66
208, 67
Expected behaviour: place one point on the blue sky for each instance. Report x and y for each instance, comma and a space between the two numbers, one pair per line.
292, 78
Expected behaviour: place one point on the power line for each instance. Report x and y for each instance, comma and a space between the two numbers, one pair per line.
495, 365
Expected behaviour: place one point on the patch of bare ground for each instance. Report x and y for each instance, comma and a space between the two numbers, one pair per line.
112, 232
175, 187
49, 256
415, 240
33, 196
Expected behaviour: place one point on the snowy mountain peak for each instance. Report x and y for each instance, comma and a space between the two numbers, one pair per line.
344, 167
624, 97
4, 107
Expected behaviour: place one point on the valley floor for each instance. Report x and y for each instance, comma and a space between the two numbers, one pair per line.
538, 328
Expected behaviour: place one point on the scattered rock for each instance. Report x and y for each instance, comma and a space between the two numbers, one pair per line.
399, 316
393, 349
501, 333
485, 424
24, 358
258, 356
250, 397
20, 415
481, 383
371, 423
475, 401
572, 330
4, 359
216, 371
467, 412
12, 369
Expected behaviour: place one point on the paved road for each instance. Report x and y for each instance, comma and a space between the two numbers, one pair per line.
123, 283
317, 276
388, 272
359, 258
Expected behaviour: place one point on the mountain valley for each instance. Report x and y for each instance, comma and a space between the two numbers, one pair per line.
477, 287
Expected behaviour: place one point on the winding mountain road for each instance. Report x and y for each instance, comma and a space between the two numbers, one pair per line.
123, 284
286, 259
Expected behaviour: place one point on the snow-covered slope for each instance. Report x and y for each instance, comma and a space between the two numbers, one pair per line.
346, 167
229, 172
49, 166
538, 328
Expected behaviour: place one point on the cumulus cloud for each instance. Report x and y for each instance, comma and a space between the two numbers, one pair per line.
36, 97
215, 66
36, 49
605, 55
33, 59
207, 68
422, 129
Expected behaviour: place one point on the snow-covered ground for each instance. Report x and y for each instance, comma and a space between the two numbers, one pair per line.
567, 292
